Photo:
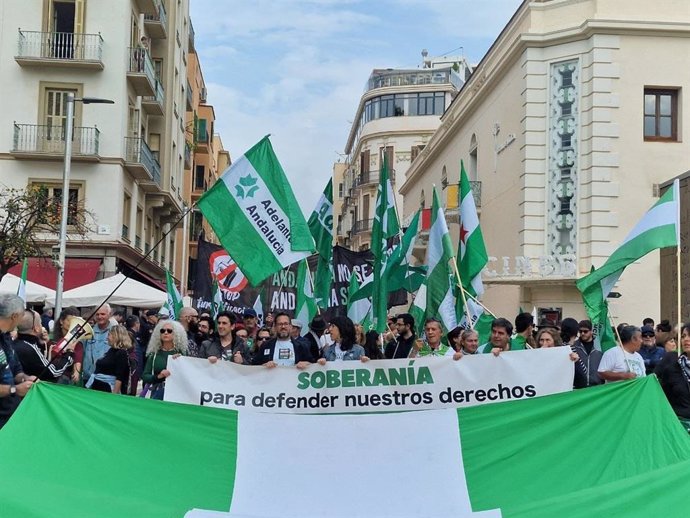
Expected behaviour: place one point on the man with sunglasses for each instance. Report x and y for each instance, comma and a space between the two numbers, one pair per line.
650, 352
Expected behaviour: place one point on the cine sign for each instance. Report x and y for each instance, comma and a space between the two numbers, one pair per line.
531, 267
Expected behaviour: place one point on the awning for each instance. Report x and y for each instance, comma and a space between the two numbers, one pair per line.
140, 276
77, 272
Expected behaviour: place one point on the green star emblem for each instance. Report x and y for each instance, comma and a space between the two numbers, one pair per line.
247, 187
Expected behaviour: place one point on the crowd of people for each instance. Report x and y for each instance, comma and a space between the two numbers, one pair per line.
129, 354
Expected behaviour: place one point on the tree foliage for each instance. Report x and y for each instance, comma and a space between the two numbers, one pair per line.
30, 222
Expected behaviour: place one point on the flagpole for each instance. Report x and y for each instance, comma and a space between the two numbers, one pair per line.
618, 336
462, 293
676, 188
468, 294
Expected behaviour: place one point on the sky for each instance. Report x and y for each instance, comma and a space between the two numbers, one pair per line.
297, 68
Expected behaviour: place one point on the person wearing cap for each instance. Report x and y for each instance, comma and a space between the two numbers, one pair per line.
590, 355
317, 327
250, 320
295, 328
650, 352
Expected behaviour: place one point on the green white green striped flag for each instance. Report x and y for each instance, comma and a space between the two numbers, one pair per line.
658, 228
400, 274
253, 211
385, 226
305, 306
440, 302
358, 303
21, 287
472, 256
643, 442
217, 304
418, 309
174, 304
321, 227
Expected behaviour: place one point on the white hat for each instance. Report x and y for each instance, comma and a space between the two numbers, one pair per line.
297, 323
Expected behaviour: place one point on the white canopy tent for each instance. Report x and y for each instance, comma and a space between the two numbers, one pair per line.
131, 293
35, 293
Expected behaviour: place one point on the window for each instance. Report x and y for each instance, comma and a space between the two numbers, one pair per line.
472, 171
661, 114
195, 225
126, 210
341, 189
52, 196
444, 178
199, 177
415, 151
422, 200
364, 162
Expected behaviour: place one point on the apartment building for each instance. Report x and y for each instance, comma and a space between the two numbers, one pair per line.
570, 122
396, 116
128, 158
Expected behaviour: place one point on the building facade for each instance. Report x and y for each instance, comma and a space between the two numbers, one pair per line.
396, 116
570, 123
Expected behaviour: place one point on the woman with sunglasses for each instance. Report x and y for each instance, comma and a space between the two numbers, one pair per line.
262, 336
168, 339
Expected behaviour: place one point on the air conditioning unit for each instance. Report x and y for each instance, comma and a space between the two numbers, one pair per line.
202, 95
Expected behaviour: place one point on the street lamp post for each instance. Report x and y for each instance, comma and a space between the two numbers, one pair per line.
64, 213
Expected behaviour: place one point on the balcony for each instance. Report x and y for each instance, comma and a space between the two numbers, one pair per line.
125, 232
187, 155
153, 104
362, 225
61, 49
202, 141
453, 199
139, 161
140, 71
156, 24
191, 37
48, 142
190, 100
395, 78
371, 178
147, 6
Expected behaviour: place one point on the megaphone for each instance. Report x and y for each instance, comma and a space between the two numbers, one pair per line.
79, 330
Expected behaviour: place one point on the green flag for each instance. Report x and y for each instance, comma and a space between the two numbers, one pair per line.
217, 304
174, 303
440, 302
21, 287
399, 273
253, 211
305, 306
418, 309
658, 228
385, 226
358, 303
321, 227
472, 256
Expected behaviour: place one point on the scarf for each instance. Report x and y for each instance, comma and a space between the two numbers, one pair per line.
684, 367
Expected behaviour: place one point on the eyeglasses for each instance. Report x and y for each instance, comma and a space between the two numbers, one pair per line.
261, 338
585, 330
648, 336
165, 330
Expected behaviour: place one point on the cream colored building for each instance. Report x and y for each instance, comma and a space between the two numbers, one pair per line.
128, 157
396, 116
570, 122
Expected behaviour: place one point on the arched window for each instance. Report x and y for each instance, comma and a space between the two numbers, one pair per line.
472, 166
444, 178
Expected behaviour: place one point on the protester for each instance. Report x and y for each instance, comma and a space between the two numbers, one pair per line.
296, 328
314, 337
651, 353
96, 347
663, 330
648, 322
454, 338
673, 372
282, 350
344, 346
360, 337
241, 333
60, 330
499, 341
401, 346
590, 355
47, 319
189, 318
31, 350
168, 339
206, 329
112, 371
524, 326
623, 363
470, 342
137, 353
14, 384
671, 344
549, 337
225, 345
432, 346
250, 320
372, 346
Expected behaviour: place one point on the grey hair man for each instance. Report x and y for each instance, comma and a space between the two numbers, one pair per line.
31, 350
11, 311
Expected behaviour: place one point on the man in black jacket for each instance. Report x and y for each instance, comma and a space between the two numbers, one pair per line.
31, 352
282, 350
225, 345
316, 329
401, 346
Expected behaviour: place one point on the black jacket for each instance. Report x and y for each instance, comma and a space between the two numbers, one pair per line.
214, 348
30, 354
314, 345
675, 384
403, 347
264, 353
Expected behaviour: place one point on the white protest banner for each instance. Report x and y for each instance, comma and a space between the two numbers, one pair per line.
375, 386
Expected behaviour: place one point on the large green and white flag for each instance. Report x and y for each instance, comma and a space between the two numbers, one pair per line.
255, 215
643, 450
418, 309
174, 304
305, 305
358, 303
400, 274
658, 228
321, 227
472, 256
440, 302
385, 226
21, 287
